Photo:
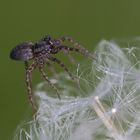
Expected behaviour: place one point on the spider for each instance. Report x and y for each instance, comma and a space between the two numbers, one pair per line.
42, 53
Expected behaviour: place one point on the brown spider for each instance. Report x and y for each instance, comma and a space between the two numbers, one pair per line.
41, 53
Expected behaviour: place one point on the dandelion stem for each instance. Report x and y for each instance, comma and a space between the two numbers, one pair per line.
100, 110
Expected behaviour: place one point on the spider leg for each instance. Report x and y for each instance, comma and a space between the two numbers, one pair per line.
78, 46
61, 64
71, 40
29, 70
81, 51
49, 82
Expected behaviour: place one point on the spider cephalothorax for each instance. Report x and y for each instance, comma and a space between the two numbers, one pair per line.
41, 53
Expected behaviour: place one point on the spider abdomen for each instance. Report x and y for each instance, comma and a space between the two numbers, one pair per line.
22, 52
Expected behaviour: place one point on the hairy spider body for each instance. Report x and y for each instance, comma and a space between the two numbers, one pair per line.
41, 53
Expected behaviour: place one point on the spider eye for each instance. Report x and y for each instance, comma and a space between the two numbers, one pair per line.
22, 51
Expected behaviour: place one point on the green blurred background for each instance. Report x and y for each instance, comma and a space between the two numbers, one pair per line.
87, 21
